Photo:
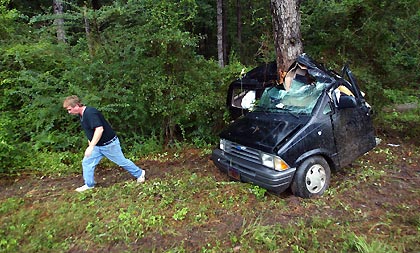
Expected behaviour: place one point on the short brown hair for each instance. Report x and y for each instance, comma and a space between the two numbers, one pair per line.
72, 101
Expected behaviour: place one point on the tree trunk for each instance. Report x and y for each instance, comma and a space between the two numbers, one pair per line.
96, 5
287, 36
91, 26
89, 38
224, 18
220, 34
59, 20
239, 22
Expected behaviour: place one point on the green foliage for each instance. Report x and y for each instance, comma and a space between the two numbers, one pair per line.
380, 37
31, 110
143, 75
11, 205
49, 163
153, 93
180, 214
10, 26
402, 122
261, 235
150, 145
259, 192
401, 96
363, 246
11, 153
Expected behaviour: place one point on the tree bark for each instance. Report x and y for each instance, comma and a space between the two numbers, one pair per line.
239, 22
92, 30
287, 36
59, 20
221, 44
225, 46
89, 38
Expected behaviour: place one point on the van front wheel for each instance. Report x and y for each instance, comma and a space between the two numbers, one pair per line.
312, 178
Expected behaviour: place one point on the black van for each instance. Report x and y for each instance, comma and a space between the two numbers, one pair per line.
294, 134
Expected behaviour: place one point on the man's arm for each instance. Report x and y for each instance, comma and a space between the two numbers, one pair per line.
96, 137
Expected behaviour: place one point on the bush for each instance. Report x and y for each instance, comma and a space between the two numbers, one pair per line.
143, 74
402, 116
13, 154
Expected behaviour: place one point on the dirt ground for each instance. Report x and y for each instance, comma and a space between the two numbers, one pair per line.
396, 187
21, 185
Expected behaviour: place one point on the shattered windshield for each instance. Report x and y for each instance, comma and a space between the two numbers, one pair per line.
301, 98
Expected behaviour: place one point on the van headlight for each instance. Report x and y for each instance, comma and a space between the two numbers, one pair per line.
222, 144
273, 162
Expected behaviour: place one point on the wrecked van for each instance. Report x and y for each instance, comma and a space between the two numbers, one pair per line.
293, 135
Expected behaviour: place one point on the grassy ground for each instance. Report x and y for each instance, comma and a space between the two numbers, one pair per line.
187, 205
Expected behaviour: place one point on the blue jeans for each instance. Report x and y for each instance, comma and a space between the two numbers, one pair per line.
114, 153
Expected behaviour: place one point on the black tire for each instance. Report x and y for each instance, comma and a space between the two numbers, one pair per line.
312, 178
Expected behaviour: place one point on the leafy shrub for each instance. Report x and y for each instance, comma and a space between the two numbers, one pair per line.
148, 83
12, 153
364, 34
400, 122
54, 163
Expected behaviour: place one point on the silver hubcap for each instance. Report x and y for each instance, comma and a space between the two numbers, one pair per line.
315, 178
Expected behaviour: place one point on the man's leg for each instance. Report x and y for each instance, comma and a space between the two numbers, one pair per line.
89, 164
114, 153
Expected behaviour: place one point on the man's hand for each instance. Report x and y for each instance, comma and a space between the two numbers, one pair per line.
92, 143
88, 151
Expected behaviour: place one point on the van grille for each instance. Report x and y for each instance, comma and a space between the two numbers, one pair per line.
243, 152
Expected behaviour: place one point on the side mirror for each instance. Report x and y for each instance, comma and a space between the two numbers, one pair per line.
346, 101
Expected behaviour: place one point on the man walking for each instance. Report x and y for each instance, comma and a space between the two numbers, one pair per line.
103, 141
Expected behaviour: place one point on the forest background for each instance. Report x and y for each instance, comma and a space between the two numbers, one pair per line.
151, 68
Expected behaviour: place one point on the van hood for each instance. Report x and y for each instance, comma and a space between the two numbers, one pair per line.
262, 131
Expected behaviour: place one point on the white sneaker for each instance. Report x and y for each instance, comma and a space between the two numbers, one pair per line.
83, 188
142, 178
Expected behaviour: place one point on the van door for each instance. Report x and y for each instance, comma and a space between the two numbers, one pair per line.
352, 123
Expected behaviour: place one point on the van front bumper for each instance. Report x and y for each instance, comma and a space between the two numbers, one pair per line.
246, 171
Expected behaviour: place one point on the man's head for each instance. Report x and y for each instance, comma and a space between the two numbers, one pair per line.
73, 104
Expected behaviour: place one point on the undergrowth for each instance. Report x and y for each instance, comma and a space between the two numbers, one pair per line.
188, 209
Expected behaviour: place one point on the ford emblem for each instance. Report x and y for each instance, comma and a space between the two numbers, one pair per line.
240, 148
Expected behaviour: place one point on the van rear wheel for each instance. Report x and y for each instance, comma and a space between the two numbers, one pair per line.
312, 178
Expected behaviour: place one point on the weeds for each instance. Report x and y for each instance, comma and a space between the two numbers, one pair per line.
363, 246
258, 191
188, 210
180, 214
11, 204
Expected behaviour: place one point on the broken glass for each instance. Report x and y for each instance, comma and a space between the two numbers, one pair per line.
300, 99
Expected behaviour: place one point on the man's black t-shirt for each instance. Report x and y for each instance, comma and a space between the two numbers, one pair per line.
92, 119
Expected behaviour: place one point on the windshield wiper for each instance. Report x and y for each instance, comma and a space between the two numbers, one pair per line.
271, 109
289, 111
265, 109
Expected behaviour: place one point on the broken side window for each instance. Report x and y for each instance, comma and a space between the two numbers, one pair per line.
244, 99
